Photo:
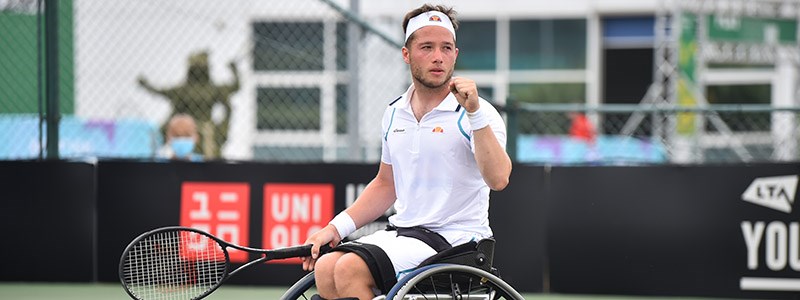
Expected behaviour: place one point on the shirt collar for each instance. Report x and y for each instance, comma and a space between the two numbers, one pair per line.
448, 104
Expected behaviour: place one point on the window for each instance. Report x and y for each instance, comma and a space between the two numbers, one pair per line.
341, 46
477, 45
288, 108
487, 92
629, 32
341, 108
627, 69
296, 65
741, 94
548, 44
284, 46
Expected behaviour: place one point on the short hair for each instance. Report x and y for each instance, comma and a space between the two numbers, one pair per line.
448, 11
182, 121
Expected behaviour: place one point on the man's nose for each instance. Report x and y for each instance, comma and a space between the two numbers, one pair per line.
437, 56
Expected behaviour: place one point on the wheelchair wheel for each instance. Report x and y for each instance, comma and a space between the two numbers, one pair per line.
451, 281
303, 289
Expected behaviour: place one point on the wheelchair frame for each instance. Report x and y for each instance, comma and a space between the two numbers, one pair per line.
459, 275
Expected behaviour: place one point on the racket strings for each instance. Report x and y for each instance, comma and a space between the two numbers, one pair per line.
174, 265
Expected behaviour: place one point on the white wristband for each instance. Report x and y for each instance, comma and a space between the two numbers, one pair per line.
478, 119
344, 224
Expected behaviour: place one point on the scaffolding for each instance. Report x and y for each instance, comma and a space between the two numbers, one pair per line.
743, 32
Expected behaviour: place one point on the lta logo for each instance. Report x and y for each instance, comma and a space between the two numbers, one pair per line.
772, 246
777, 193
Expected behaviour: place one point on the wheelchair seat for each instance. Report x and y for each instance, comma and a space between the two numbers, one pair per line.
462, 272
478, 254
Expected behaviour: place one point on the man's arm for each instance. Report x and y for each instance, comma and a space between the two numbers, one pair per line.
147, 86
376, 198
234, 86
492, 159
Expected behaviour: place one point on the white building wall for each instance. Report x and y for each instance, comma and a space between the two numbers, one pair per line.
118, 41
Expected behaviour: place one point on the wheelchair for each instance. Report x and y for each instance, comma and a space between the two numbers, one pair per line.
462, 272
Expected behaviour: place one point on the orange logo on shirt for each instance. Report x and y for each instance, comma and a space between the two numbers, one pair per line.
435, 19
438, 129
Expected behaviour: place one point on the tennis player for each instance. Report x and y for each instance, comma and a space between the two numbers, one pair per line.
443, 150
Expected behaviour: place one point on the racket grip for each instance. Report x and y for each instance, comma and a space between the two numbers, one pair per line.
325, 249
299, 251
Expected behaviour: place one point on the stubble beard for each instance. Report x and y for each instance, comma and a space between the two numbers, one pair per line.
419, 76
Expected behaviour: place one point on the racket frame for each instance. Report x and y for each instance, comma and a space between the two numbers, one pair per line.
266, 255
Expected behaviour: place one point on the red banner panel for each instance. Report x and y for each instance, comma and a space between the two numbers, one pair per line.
221, 209
294, 211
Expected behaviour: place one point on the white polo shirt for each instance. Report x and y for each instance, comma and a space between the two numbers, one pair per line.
436, 177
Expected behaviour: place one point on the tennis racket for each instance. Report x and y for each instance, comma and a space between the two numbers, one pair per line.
185, 263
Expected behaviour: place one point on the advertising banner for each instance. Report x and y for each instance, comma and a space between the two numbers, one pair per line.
254, 205
292, 212
717, 231
274, 205
221, 209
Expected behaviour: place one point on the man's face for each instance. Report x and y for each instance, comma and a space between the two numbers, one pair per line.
432, 56
182, 128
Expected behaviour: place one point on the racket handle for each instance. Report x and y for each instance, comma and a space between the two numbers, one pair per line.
325, 249
299, 251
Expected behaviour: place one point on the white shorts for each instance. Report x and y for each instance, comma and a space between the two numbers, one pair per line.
406, 253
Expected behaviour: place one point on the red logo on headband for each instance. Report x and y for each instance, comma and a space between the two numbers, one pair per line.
435, 19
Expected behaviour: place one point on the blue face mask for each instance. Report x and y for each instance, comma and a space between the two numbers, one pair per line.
182, 146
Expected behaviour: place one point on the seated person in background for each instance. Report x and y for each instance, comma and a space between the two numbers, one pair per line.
181, 138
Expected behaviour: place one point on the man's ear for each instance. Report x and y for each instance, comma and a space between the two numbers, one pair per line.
405, 55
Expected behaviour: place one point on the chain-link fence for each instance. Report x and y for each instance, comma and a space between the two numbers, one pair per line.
299, 81
263, 80
638, 134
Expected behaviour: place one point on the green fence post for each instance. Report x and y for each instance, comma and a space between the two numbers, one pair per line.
51, 76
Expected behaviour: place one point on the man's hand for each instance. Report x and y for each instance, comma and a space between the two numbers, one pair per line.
146, 84
232, 67
327, 235
466, 92
142, 81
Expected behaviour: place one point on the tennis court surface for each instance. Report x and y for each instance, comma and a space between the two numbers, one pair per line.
111, 291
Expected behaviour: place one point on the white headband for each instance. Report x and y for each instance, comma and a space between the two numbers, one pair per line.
430, 18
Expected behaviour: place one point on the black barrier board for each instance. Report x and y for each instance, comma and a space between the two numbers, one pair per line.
48, 221
719, 231
134, 197
517, 217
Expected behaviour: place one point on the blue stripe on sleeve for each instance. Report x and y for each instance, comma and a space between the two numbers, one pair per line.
391, 120
462, 128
